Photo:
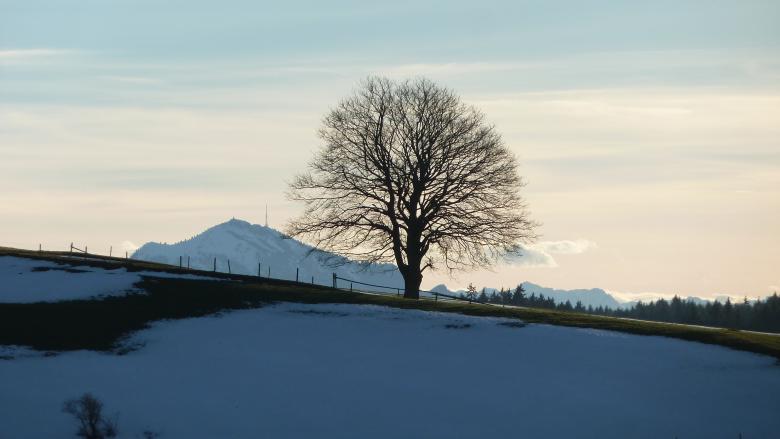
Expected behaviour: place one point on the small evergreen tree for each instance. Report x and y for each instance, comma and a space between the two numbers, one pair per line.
518, 298
483, 297
471, 292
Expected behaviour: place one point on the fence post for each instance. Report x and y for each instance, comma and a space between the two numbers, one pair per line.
435, 297
125, 255
215, 265
296, 274
71, 247
188, 262
229, 272
258, 270
350, 287
398, 292
312, 280
179, 261
85, 250
110, 251
334, 280
269, 271
39, 247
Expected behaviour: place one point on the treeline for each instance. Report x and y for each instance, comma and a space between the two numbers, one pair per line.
761, 315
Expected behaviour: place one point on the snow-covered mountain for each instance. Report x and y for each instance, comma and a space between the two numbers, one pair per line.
246, 245
593, 296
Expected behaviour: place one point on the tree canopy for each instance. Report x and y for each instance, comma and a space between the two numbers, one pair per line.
410, 174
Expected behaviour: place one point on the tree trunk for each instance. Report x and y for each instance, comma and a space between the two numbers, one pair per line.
412, 281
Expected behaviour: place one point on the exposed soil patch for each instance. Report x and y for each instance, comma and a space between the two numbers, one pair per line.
513, 324
323, 313
458, 325
65, 269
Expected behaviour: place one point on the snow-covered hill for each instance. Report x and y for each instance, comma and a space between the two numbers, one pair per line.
247, 245
24, 280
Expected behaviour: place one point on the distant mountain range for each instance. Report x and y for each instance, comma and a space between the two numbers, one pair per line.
594, 296
247, 245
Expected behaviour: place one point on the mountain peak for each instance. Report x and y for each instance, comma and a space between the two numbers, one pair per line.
253, 249
237, 221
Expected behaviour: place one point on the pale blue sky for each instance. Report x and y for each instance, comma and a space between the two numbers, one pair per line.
648, 130
401, 30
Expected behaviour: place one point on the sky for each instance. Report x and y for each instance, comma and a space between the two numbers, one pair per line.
648, 132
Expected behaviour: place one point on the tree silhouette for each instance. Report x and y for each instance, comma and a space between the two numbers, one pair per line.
410, 174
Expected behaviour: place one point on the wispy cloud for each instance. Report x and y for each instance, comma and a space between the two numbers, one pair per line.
26, 53
26, 56
449, 68
565, 247
139, 80
129, 246
623, 296
647, 296
541, 253
618, 66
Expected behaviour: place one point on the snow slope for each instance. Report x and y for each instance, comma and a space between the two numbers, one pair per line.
351, 371
246, 245
24, 280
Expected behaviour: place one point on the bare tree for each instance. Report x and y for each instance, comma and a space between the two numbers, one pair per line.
471, 292
410, 174
88, 411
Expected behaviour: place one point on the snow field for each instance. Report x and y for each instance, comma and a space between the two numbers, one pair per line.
24, 280
357, 371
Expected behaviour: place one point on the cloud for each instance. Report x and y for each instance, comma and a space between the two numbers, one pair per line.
129, 246
448, 69
528, 256
23, 56
26, 53
625, 297
541, 253
606, 68
628, 297
565, 247
140, 80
